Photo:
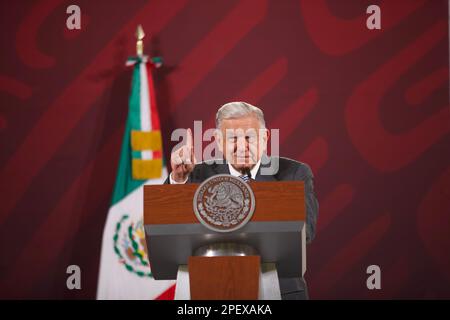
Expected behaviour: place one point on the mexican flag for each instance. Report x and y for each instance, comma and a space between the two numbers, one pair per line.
124, 267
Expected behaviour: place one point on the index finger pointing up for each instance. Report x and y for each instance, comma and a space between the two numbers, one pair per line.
189, 142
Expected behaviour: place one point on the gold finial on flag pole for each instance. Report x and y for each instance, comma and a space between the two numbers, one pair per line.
139, 43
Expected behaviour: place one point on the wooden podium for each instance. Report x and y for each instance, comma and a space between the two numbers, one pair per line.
276, 233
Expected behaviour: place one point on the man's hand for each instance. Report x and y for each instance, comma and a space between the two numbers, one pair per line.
182, 160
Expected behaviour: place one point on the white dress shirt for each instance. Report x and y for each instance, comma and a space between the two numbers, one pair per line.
236, 173
232, 170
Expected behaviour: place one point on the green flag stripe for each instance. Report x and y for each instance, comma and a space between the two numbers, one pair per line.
134, 113
125, 184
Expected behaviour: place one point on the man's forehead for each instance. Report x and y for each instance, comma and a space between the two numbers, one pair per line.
241, 131
244, 122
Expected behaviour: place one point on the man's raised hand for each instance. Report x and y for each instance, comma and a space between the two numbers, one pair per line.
182, 160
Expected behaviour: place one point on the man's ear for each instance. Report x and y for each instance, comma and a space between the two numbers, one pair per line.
263, 138
266, 139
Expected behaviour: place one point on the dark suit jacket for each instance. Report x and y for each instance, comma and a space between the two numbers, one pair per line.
282, 170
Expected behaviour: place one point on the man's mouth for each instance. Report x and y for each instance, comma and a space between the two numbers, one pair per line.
243, 159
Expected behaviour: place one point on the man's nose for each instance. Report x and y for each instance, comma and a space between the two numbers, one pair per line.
242, 145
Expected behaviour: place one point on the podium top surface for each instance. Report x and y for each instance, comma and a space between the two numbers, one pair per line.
173, 204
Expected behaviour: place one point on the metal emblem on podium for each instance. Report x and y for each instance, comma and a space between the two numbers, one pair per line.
224, 203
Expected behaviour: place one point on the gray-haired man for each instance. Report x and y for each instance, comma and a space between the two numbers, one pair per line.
242, 138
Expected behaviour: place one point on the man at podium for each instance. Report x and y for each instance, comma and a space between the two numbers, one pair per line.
242, 138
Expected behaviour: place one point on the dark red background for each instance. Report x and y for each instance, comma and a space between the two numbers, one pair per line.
368, 110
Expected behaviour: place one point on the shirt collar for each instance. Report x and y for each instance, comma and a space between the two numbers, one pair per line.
236, 173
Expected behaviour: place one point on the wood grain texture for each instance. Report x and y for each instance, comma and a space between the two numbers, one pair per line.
224, 278
275, 201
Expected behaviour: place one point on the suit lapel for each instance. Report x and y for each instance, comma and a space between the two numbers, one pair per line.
260, 177
221, 168
265, 163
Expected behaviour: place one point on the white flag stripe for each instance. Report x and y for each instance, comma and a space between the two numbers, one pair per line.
146, 124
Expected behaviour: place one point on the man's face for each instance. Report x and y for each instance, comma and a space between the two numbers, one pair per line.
242, 142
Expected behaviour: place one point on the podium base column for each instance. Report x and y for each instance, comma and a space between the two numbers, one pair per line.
269, 286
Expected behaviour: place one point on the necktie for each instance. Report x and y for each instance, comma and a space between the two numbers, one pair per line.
245, 177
